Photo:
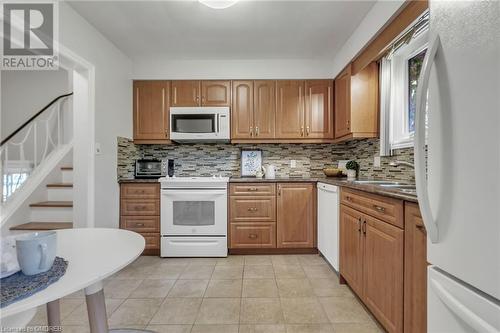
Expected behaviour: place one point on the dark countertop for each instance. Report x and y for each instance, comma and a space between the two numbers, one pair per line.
138, 180
371, 188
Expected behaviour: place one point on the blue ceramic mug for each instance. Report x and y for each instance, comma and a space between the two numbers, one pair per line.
36, 252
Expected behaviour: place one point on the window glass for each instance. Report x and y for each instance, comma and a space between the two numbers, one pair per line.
414, 67
12, 182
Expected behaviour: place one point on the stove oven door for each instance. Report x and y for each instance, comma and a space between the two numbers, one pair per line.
194, 212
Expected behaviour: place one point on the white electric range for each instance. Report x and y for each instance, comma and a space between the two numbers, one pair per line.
194, 216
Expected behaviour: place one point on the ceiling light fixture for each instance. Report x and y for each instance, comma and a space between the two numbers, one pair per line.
218, 4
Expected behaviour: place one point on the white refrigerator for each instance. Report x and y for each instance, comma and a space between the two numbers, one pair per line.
457, 165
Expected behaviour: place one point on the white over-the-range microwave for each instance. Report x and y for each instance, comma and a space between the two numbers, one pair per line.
200, 124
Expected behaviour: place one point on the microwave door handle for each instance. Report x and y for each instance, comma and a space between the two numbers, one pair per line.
218, 123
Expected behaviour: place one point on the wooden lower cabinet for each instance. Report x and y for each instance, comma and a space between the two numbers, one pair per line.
371, 262
296, 214
140, 212
262, 217
253, 235
383, 272
415, 277
259, 209
351, 248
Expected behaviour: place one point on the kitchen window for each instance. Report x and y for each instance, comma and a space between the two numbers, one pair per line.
399, 74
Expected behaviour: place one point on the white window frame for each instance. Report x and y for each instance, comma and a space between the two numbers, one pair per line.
399, 135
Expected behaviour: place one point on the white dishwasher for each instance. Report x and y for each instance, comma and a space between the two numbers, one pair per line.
328, 223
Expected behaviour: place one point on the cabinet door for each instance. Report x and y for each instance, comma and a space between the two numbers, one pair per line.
296, 215
343, 103
415, 294
383, 272
364, 102
290, 109
319, 109
242, 110
264, 109
151, 115
216, 93
185, 93
351, 248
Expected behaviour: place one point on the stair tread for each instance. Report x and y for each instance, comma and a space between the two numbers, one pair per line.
67, 168
52, 204
60, 185
43, 226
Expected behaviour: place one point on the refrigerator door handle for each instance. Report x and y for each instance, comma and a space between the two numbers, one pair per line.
460, 310
420, 156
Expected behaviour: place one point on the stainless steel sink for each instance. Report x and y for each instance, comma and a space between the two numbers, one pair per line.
400, 186
412, 191
377, 182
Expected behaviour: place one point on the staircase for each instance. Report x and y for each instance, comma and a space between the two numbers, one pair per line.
57, 211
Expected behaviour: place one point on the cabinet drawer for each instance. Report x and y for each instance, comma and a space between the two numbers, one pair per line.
152, 241
253, 235
253, 189
140, 191
141, 223
140, 207
253, 209
387, 209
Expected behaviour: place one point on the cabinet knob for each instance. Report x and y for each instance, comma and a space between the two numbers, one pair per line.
302, 131
139, 224
253, 189
252, 209
252, 236
307, 130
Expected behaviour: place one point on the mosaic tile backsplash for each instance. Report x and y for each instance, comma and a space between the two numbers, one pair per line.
224, 159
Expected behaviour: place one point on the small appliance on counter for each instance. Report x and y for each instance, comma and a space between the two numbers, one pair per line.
153, 168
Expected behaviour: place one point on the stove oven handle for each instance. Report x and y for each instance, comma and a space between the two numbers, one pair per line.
196, 191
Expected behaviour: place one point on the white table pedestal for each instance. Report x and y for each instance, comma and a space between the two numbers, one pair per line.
96, 308
53, 316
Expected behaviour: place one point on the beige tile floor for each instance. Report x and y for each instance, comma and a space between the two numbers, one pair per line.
245, 294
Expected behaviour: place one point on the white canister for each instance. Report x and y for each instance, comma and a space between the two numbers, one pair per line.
351, 174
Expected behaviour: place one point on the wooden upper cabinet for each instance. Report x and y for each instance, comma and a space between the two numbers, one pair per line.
343, 103
356, 103
242, 111
290, 109
185, 93
351, 248
383, 272
264, 109
319, 109
296, 219
415, 276
151, 111
216, 93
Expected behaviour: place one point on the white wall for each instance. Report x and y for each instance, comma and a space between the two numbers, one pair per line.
161, 68
24, 93
373, 22
113, 105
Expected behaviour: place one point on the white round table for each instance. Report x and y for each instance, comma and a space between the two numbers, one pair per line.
93, 254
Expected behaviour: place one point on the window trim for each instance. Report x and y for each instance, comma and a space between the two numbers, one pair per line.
399, 136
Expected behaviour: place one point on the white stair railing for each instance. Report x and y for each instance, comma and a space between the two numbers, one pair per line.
29, 147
